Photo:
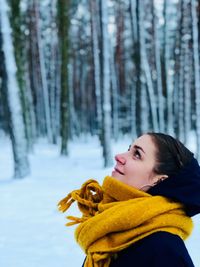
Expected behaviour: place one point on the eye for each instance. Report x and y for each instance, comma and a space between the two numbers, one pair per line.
137, 154
129, 148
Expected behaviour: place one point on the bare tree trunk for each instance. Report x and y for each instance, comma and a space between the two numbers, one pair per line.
186, 40
135, 33
83, 96
181, 78
30, 117
3, 90
136, 67
95, 46
34, 69
181, 100
115, 93
43, 77
17, 131
147, 72
120, 51
158, 71
53, 72
168, 68
64, 23
187, 92
106, 88
196, 70
144, 108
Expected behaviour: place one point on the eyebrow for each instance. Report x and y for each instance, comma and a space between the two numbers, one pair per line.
139, 147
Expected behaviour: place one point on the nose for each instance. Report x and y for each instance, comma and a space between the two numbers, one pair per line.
119, 158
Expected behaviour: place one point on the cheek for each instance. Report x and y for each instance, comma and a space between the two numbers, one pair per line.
139, 171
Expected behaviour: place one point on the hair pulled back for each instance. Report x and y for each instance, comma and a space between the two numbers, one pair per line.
171, 154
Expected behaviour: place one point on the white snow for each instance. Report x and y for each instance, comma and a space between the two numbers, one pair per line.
32, 230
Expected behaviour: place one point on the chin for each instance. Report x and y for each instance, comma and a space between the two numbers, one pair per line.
115, 174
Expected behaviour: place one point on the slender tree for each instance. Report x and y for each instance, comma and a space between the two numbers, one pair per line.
168, 67
4, 111
53, 73
17, 131
146, 71
43, 73
115, 95
96, 61
136, 58
120, 46
64, 24
106, 87
35, 67
157, 47
195, 38
187, 69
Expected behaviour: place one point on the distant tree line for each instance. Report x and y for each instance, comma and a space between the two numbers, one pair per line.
99, 67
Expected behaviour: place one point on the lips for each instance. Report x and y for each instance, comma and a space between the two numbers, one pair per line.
117, 170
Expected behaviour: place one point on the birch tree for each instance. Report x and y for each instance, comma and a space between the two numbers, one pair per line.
17, 131
115, 95
178, 77
120, 46
136, 58
196, 50
96, 61
184, 118
146, 70
157, 51
106, 87
169, 38
43, 74
20, 51
186, 41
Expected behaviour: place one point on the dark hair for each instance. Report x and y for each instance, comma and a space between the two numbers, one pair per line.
171, 154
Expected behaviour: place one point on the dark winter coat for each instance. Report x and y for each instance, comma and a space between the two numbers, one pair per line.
160, 249
163, 249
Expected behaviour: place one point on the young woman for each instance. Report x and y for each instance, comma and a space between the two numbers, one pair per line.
141, 215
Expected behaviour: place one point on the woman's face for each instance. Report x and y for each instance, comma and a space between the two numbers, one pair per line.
135, 166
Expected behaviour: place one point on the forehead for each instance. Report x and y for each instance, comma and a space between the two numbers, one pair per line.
146, 143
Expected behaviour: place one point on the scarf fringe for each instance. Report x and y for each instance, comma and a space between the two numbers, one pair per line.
88, 198
75, 220
98, 260
65, 203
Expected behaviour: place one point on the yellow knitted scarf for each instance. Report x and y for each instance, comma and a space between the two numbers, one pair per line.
116, 215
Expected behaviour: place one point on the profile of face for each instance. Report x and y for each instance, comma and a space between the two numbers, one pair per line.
135, 167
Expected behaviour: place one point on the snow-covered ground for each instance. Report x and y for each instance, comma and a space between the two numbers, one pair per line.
32, 231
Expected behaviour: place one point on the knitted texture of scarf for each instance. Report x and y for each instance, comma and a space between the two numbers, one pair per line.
116, 215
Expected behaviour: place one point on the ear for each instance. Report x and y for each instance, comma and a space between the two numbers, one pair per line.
158, 178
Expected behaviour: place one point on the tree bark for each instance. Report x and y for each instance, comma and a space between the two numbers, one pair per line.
64, 24
17, 131
196, 71
106, 88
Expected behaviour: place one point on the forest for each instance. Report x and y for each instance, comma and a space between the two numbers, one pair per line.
97, 67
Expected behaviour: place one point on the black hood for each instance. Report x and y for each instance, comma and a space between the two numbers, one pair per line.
183, 187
